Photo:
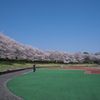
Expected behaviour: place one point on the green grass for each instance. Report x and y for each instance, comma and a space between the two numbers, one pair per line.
54, 64
46, 84
11, 65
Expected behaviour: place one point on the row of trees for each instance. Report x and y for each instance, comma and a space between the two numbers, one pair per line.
11, 49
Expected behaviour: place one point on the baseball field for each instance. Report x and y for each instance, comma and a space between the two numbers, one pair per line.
56, 84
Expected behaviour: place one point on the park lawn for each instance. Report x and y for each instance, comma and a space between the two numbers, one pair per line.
47, 84
11, 65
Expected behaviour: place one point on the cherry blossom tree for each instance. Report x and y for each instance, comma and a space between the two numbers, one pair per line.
11, 49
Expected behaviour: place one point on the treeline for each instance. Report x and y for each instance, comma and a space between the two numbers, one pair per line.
13, 50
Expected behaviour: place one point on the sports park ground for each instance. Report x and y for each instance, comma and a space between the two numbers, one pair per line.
68, 83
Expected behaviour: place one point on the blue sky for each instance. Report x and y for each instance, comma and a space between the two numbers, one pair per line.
63, 25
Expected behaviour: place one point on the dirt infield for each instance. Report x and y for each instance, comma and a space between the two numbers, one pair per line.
89, 70
92, 71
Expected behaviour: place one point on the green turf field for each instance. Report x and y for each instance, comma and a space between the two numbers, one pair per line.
46, 84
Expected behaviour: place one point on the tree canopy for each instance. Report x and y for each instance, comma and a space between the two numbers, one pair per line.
11, 49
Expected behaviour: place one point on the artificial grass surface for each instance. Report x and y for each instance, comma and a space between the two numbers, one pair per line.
46, 84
